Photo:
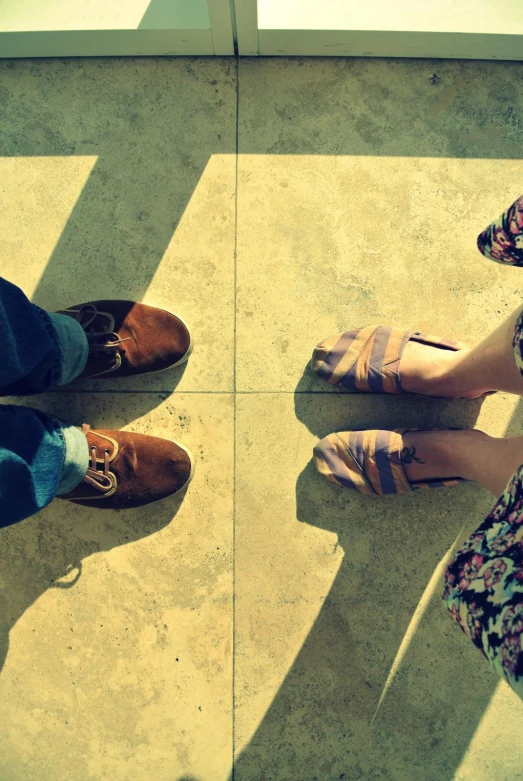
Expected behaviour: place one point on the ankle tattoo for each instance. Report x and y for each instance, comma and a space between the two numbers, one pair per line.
408, 455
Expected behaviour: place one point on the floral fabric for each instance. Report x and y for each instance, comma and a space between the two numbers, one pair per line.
503, 240
517, 343
484, 585
484, 582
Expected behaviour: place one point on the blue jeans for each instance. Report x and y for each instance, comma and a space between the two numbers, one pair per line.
40, 456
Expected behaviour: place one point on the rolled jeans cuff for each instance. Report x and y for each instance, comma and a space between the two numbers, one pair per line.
73, 345
76, 458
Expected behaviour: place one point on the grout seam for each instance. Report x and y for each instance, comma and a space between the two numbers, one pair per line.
233, 392
233, 693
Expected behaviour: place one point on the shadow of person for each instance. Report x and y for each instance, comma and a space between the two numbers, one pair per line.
48, 550
134, 134
384, 685
326, 721
324, 409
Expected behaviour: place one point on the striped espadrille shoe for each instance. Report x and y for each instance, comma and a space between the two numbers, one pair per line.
367, 359
370, 462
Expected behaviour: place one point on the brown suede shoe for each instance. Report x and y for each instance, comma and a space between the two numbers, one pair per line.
127, 338
129, 470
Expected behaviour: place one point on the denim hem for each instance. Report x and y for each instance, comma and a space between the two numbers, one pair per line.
72, 344
55, 369
76, 457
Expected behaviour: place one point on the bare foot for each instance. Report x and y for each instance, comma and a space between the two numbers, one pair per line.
431, 372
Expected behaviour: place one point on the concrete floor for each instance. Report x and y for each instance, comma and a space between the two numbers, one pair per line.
269, 614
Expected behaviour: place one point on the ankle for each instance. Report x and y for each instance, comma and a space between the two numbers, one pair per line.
448, 378
435, 372
439, 454
428, 370
456, 377
461, 446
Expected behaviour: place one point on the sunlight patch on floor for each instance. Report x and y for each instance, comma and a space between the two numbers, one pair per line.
34, 211
486, 757
498, 425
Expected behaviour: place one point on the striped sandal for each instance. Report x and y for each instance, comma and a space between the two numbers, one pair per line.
368, 359
370, 462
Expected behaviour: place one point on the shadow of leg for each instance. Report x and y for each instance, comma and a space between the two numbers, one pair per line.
381, 629
47, 550
319, 725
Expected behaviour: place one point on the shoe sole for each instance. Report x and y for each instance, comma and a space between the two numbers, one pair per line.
193, 467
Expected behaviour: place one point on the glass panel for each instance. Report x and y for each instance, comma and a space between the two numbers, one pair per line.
27, 15
474, 16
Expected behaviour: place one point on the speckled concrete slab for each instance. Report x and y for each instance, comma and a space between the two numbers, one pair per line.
347, 665
362, 188
117, 180
116, 628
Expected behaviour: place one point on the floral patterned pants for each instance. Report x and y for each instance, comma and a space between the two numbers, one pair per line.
484, 582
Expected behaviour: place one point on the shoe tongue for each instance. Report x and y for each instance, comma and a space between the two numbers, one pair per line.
109, 319
100, 362
97, 479
102, 322
95, 439
90, 318
93, 486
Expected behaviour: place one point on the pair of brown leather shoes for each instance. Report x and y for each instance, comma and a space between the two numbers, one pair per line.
126, 469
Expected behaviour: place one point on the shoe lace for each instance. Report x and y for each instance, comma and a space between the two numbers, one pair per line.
106, 340
102, 480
